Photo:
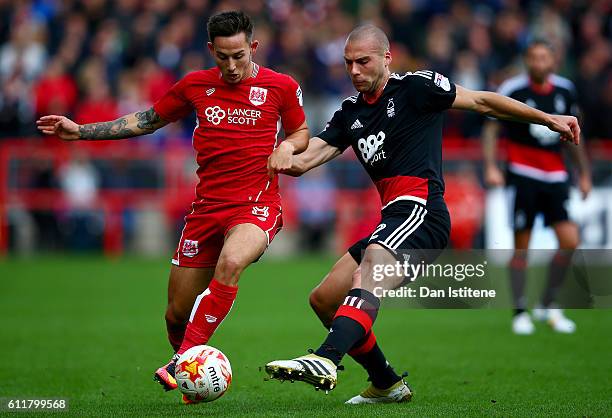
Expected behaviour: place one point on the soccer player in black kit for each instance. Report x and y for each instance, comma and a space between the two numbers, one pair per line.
538, 180
394, 125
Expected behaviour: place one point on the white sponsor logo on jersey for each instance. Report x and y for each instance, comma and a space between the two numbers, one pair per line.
215, 115
190, 248
371, 147
258, 95
356, 125
210, 319
543, 134
210, 91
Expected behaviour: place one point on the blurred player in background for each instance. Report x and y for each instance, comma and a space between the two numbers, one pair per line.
394, 125
538, 180
237, 208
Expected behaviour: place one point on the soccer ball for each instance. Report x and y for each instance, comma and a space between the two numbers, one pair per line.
203, 373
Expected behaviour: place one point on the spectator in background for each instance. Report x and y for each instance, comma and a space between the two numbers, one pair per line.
439, 46
605, 110
448, 36
25, 49
98, 103
22, 59
107, 47
153, 79
316, 200
509, 33
42, 177
595, 68
73, 32
467, 74
15, 107
55, 91
479, 43
79, 182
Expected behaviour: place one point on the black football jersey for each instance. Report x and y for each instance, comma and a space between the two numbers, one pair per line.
398, 138
534, 150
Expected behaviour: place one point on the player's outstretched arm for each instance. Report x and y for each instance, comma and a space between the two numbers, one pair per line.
502, 107
282, 157
134, 124
317, 153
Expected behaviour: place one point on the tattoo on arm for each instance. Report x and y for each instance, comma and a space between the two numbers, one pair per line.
148, 120
115, 129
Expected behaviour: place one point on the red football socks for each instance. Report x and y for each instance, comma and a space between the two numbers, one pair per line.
209, 310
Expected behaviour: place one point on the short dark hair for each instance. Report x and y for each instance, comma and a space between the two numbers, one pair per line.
539, 42
229, 24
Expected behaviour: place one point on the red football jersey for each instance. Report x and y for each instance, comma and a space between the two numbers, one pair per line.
237, 129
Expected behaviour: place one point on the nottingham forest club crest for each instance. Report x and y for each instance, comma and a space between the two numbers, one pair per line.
258, 95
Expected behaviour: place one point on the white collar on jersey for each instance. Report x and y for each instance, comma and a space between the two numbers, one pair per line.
255, 70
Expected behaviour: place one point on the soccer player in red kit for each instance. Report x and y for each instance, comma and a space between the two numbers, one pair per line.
240, 108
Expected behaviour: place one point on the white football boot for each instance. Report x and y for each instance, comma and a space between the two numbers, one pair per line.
317, 371
522, 324
556, 319
399, 392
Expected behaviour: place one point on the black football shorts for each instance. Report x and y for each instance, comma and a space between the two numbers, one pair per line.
531, 197
408, 225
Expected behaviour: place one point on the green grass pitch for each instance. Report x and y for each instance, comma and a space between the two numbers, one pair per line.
91, 330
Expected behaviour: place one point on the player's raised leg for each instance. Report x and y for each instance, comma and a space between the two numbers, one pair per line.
354, 318
244, 243
351, 324
325, 299
184, 285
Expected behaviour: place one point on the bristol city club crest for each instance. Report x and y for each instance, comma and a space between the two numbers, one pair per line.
258, 95
190, 248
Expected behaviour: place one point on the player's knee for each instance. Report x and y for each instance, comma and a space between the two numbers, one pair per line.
228, 270
176, 316
569, 243
317, 301
323, 307
568, 236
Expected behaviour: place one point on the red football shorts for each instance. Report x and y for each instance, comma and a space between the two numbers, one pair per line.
206, 227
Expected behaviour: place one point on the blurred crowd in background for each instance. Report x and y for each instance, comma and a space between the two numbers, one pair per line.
98, 59
95, 60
